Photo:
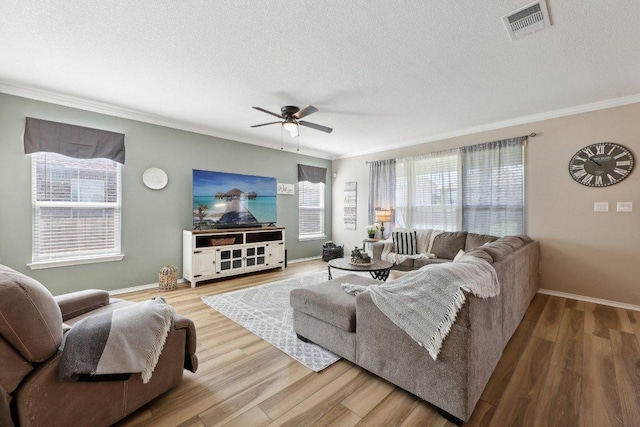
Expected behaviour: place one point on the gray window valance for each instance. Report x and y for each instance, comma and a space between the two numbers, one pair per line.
72, 141
312, 174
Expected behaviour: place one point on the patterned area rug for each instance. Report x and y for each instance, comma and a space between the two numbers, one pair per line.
265, 311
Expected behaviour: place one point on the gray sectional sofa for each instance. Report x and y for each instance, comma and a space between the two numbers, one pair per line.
444, 245
355, 328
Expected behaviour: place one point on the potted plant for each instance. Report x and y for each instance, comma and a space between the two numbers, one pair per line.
372, 230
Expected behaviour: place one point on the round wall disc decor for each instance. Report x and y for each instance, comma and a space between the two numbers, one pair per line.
155, 178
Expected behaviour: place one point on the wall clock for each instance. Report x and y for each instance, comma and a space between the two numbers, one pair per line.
601, 164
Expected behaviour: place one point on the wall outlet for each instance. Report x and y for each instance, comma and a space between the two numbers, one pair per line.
625, 206
601, 206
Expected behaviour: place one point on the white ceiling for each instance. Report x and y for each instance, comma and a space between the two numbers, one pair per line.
383, 74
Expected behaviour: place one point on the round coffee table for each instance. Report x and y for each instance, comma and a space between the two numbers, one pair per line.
378, 269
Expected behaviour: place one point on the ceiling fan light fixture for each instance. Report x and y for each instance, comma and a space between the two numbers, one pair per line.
290, 125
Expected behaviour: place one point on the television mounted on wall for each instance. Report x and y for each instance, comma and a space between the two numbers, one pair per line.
222, 199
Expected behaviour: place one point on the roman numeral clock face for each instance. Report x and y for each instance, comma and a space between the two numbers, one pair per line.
601, 164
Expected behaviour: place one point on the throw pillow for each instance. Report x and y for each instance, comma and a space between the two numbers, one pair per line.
458, 255
405, 242
446, 245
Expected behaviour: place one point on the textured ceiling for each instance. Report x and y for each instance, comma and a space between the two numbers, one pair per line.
383, 74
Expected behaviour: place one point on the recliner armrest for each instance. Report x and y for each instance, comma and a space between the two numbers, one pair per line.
76, 303
5, 408
190, 357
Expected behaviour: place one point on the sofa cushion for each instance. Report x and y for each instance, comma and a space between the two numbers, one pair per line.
474, 240
497, 250
480, 253
421, 262
447, 244
405, 242
328, 302
513, 242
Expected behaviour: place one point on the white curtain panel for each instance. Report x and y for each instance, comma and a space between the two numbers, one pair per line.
479, 189
382, 188
427, 191
493, 187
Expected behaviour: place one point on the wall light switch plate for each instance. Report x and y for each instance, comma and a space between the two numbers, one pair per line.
601, 206
625, 206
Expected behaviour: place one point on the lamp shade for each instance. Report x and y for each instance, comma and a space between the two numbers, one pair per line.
383, 215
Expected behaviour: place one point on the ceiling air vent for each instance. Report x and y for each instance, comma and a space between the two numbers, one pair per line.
527, 19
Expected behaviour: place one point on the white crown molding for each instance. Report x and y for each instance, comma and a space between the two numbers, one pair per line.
586, 108
590, 299
112, 110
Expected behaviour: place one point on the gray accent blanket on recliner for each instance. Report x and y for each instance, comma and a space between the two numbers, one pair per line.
470, 351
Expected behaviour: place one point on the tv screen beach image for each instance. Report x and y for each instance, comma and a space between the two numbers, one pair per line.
227, 199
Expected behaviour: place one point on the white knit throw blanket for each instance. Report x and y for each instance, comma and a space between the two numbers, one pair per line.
425, 243
426, 302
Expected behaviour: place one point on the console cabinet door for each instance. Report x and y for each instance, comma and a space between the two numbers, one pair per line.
204, 263
256, 257
230, 260
276, 254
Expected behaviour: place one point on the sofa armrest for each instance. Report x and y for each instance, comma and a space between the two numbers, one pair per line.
378, 247
190, 357
76, 303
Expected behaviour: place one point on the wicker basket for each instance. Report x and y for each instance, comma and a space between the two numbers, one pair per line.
223, 241
167, 279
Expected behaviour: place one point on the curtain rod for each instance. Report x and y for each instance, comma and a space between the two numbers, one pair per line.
531, 135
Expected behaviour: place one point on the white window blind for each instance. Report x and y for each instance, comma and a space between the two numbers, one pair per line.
310, 210
76, 208
427, 193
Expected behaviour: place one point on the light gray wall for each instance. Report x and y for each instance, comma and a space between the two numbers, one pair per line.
587, 253
152, 221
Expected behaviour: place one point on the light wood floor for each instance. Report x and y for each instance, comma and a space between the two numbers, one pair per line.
569, 363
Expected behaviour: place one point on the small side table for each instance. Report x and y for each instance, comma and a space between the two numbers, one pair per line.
367, 245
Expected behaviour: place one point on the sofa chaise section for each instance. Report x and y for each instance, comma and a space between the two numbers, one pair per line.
455, 380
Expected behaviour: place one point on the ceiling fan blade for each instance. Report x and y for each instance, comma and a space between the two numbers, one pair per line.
264, 124
305, 112
268, 112
315, 126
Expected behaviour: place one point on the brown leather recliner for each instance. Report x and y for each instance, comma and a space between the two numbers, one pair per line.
31, 330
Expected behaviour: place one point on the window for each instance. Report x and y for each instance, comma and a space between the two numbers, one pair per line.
76, 210
479, 189
310, 210
427, 191
493, 188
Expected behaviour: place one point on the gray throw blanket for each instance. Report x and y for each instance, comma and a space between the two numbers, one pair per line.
126, 340
425, 303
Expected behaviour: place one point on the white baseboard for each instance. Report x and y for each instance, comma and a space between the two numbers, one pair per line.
590, 299
295, 261
138, 288
155, 285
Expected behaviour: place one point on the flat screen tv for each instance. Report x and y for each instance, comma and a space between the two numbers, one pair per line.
222, 199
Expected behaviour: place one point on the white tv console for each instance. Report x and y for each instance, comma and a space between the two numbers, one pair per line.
209, 254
